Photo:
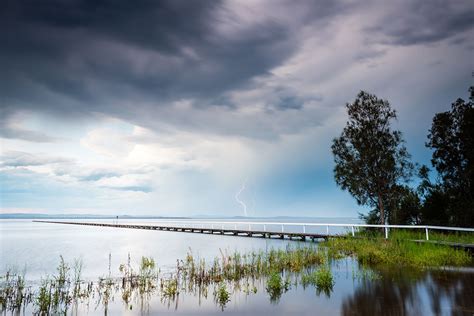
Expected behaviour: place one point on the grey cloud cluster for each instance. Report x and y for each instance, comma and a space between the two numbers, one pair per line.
410, 22
89, 53
74, 58
134, 60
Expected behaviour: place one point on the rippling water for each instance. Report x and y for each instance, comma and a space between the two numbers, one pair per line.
36, 247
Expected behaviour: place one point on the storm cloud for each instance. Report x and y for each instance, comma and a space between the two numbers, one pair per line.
156, 98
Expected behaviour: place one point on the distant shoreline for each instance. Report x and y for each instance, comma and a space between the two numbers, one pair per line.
96, 216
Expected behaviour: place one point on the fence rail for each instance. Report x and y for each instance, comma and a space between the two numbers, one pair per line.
285, 226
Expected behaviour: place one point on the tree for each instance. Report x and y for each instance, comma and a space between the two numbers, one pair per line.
452, 139
371, 159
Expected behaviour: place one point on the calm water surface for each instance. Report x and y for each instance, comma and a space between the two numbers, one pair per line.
36, 247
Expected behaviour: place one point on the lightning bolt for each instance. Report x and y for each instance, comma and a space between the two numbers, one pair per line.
239, 200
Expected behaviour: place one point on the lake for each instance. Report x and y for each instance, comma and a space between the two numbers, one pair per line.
36, 248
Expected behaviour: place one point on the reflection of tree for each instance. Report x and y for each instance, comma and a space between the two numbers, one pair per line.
455, 288
434, 292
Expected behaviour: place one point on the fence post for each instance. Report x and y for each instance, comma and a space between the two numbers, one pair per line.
426, 231
352, 231
304, 229
327, 230
386, 232
282, 228
264, 227
235, 226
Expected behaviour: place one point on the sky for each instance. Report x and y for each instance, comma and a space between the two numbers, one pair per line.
171, 108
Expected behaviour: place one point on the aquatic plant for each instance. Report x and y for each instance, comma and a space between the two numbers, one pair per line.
276, 286
397, 251
169, 288
227, 273
222, 295
13, 291
321, 278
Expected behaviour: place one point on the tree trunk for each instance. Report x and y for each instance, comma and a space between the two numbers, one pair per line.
381, 209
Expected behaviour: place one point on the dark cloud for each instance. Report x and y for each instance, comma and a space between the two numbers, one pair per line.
71, 58
290, 103
369, 55
24, 134
134, 60
79, 56
423, 22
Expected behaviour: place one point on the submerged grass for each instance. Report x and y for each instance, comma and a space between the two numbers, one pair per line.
228, 273
321, 278
222, 296
276, 286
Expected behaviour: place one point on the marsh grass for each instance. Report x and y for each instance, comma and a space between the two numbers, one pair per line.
419, 234
13, 290
399, 249
222, 296
226, 274
276, 285
321, 279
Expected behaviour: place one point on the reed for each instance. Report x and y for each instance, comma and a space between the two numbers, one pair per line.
321, 278
398, 250
228, 273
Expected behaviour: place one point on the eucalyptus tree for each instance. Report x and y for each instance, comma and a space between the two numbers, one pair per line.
371, 160
451, 138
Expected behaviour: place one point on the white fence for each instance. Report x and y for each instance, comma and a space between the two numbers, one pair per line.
298, 227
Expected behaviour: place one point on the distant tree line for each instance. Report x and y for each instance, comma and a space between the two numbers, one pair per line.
374, 166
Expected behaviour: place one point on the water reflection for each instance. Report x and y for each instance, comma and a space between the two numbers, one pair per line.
356, 291
406, 292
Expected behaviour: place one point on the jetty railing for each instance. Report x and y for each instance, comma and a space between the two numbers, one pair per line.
301, 227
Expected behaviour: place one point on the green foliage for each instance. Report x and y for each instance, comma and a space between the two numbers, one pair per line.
170, 287
222, 296
276, 286
146, 274
13, 291
370, 158
452, 139
43, 299
398, 250
321, 278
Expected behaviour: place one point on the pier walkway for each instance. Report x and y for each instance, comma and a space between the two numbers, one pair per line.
294, 230
213, 229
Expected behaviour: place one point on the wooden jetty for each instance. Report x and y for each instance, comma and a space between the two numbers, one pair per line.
303, 236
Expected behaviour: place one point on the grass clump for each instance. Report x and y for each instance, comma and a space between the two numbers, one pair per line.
276, 286
170, 288
321, 278
13, 291
60, 292
398, 251
222, 295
